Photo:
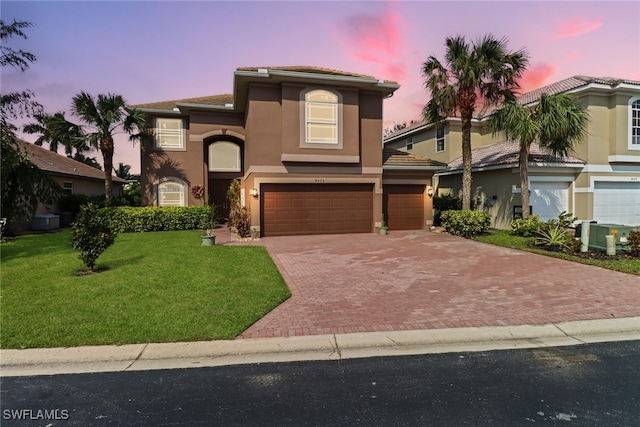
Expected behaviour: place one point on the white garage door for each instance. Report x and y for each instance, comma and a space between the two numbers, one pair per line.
617, 202
549, 199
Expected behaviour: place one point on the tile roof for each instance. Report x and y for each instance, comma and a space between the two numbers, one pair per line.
54, 163
561, 86
307, 69
393, 157
507, 153
220, 100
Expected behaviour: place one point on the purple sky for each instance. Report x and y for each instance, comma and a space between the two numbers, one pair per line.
160, 50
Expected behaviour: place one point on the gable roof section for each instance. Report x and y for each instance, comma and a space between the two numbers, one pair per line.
507, 154
311, 70
56, 164
396, 159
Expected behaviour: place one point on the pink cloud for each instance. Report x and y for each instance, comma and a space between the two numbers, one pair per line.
536, 76
375, 38
572, 55
575, 27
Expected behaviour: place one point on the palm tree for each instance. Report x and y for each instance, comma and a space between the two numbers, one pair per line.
104, 117
123, 171
557, 122
483, 72
56, 130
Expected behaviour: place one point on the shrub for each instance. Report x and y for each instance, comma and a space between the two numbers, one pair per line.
128, 219
92, 234
552, 234
465, 223
633, 243
446, 202
239, 217
526, 227
564, 220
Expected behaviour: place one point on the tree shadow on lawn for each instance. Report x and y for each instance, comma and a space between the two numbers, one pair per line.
112, 264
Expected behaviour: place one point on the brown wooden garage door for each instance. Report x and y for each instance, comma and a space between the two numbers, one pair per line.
404, 206
291, 209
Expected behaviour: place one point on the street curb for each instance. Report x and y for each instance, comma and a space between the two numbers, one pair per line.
138, 357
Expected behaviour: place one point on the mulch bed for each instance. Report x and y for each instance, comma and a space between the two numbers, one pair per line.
591, 254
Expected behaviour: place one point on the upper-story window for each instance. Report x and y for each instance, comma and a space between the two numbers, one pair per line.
169, 133
634, 124
67, 188
409, 144
321, 117
440, 140
224, 156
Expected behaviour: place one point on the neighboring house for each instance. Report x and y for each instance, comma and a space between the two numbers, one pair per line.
73, 177
600, 181
305, 143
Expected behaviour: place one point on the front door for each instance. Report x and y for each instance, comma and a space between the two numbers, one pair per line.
218, 196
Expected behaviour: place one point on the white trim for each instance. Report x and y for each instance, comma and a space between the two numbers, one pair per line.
595, 179
625, 159
376, 181
630, 145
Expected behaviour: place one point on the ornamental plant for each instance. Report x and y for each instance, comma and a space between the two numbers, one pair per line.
92, 234
465, 223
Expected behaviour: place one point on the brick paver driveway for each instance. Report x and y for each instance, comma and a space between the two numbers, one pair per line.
424, 280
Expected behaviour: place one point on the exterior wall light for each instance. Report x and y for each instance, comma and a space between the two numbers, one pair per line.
254, 193
430, 191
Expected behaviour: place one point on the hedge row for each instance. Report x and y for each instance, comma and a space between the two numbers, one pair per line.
127, 219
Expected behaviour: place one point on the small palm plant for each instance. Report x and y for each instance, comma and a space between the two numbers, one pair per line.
553, 236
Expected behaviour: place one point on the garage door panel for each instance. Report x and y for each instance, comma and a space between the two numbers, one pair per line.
617, 202
404, 206
549, 199
316, 209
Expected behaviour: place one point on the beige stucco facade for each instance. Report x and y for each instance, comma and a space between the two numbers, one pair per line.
610, 169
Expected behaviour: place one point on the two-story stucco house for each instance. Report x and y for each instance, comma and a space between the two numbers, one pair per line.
600, 181
305, 143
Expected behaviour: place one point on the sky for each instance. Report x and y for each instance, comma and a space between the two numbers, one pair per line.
150, 51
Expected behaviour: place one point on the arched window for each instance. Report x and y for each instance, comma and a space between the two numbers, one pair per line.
171, 192
634, 123
321, 117
224, 156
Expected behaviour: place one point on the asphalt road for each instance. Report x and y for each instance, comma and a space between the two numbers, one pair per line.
584, 385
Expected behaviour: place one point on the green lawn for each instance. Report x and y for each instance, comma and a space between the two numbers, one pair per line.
503, 238
155, 287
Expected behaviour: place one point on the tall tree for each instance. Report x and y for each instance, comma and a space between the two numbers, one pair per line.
105, 116
556, 122
481, 72
123, 171
22, 184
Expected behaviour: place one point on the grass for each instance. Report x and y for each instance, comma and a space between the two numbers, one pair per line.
154, 287
503, 238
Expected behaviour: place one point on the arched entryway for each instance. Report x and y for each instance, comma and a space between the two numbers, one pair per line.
224, 155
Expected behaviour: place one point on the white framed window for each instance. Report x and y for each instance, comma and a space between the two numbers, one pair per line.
321, 117
67, 188
440, 147
409, 144
224, 156
634, 123
171, 193
169, 134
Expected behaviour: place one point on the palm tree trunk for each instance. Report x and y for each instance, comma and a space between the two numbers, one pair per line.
466, 159
106, 146
524, 177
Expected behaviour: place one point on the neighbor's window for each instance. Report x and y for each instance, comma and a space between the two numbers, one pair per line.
171, 193
634, 131
440, 140
321, 117
224, 156
409, 144
169, 133
67, 188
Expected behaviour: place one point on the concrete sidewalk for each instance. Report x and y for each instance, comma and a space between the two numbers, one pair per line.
138, 357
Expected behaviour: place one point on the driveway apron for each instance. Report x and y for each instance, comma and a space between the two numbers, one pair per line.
427, 280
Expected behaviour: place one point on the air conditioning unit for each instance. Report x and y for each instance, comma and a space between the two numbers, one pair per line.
597, 233
45, 222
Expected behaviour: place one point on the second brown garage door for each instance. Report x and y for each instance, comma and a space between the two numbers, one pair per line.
404, 206
292, 209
